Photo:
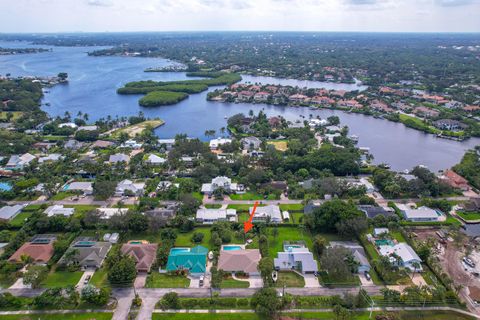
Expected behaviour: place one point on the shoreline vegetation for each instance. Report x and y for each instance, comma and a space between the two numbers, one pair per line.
12, 51
160, 93
138, 128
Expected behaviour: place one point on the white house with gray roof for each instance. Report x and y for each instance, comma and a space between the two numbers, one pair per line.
407, 257
209, 216
128, 186
295, 256
224, 183
421, 214
270, 213
85, 187
57, 210
119, 157
17, 162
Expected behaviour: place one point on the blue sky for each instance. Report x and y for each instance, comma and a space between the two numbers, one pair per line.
183, 15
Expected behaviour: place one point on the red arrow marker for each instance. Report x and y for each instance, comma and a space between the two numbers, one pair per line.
248, 225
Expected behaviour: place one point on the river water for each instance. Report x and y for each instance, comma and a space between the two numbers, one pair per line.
94, 80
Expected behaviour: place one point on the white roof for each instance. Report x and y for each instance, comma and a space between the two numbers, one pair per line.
106, 213
166, 141
153, 158
119, 157
50, 157
215, 214
378, 231
271, 211
82, 186
59, 210
88, 128
403, 250
67, 124
420, 213
8, 212
219, 141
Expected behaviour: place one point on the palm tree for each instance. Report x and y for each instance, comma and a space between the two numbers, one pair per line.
416, 266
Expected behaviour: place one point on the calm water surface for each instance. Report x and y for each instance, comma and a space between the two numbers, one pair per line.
94, 80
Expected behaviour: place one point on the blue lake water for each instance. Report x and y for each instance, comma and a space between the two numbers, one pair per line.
94, 80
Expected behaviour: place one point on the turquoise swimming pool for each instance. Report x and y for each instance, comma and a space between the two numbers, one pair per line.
179, 250
66, 187
231, 248
4, 186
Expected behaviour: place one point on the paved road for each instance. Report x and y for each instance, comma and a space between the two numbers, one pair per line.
124, 301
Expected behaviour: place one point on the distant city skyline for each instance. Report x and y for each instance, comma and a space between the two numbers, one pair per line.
239, 15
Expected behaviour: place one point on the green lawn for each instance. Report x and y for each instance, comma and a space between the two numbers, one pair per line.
82, 208
19, 219
99, 278
213, 206
78, 316
469, 215
14, 114
197, 195
62, 279
184, 239
62, 195
165, 280
296, 217
292, 207
289, 234
397, 235
253, 196
32, 207
229, 282
290, 279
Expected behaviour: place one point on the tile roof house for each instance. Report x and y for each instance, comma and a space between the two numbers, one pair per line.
9, 212
295, 256
40, 250
143, 253
193, 260
126, 185
209, 216
240, 261
88, 253
268, 213
17, 162
59, 210
455, 180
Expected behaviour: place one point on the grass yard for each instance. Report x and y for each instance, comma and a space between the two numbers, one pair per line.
292, 207
14, 115
296, 217
62, 279
198, 196
229, 282
469, 215
165, 280
213, 206
135, 129
62, 195
66, 316
184, 239
290, 279
280, 145
100, 278
397, 235
82, 208
19, 219
253, 196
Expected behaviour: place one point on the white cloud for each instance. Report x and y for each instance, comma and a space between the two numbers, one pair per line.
100, 3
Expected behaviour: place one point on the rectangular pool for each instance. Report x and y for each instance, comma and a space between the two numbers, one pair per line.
231, 248
179, 250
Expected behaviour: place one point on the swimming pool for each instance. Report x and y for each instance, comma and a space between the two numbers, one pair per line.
66, 187
179, 250
384, 242
231, 248
4, 186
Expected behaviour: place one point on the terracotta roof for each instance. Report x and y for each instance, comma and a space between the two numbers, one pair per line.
239, 260
40, 253
144, 254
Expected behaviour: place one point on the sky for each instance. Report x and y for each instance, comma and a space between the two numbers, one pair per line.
248, 15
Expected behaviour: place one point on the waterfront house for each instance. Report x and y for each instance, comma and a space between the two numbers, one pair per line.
88, 253
128, 187
314, 123
59, 209
216, 143
17, 162
193, 260
270, 213
261, 96
209, 216
39, 249
88, 128
323, 101
274, 122
450, 125
455, 180
119, 158
295, 256
349, 104
242, 260
245, 96
472, 205
9, 212
166, 144
143, 253
222, 183
298, 98
68, 125
426, 112
132, 144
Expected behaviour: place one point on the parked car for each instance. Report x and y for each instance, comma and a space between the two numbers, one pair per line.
87, 279
469, 262
367, 276
200, 282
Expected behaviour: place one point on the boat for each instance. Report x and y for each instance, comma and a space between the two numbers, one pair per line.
274, 276
225, 117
